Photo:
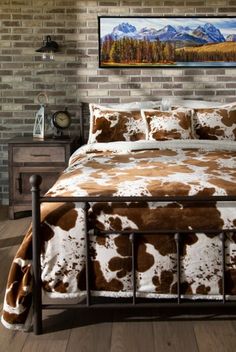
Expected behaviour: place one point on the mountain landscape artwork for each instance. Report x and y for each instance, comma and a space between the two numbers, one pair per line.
167, 41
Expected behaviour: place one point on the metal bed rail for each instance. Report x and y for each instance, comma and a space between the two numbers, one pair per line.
176, 302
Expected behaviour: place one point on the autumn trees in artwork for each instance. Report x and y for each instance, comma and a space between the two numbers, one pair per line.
215, 52
129, 50
126, 51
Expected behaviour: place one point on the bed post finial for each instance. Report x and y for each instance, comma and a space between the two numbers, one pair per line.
35, 181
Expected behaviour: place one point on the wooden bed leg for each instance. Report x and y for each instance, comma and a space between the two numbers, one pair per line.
35, 181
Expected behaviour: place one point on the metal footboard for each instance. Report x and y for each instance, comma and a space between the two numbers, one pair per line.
175, 302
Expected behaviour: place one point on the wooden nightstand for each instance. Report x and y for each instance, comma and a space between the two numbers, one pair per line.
28, 156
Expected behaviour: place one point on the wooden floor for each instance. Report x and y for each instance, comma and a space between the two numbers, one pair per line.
116, 332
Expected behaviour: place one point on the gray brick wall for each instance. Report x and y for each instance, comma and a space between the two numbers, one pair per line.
74, 76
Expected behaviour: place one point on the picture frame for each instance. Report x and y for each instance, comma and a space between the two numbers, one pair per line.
167, 41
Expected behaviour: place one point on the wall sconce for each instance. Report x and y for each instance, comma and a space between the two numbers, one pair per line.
48, 49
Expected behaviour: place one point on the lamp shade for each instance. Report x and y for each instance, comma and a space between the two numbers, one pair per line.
49, 46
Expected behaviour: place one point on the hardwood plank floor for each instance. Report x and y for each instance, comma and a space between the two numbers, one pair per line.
55, 341
14, 228
174, 336
214, 336
133, 334
11, 341
104, 331
91, 333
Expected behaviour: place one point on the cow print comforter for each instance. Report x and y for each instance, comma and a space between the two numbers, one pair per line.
150, 168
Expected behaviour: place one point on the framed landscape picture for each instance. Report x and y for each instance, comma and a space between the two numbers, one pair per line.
167, 41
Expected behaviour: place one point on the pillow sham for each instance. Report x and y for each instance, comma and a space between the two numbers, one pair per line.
215, 123
110, 125
166, 125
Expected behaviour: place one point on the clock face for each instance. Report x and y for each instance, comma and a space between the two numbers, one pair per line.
61, 119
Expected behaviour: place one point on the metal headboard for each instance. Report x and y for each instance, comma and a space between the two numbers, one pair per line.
84, 122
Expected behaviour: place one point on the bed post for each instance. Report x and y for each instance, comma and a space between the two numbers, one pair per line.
35, 181
81, 122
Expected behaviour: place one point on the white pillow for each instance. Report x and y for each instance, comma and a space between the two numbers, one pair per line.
136, 105
189, 103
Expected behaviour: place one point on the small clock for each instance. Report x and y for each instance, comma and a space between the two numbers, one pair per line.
61, 119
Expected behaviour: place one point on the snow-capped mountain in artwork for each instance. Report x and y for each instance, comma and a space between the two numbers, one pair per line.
231, 38
124, 30
188, 39
209, 33
185, 29
166, 33
147, 33
205, 34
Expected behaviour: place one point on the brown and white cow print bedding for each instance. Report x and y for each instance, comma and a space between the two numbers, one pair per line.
215, 123
112, 125
147, 168
167, 125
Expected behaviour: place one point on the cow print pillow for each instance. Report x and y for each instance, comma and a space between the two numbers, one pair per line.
112, 125
166, 125
215, 123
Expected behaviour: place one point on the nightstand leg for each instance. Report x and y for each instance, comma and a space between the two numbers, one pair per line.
11, 214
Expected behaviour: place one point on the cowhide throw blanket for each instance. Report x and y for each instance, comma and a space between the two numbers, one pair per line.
133, 169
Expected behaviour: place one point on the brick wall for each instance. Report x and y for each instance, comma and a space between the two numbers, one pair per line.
74, 75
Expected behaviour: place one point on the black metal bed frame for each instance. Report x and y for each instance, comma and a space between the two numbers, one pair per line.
223, 305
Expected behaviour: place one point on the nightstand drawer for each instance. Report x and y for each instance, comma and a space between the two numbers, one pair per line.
21, 183
28, 156
37, 154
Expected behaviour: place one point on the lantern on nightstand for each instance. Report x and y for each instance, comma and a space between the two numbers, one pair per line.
40, 117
